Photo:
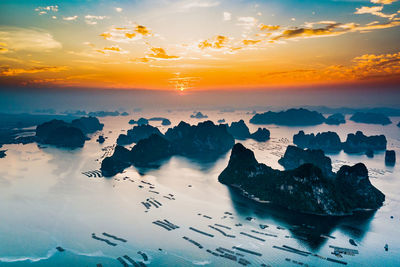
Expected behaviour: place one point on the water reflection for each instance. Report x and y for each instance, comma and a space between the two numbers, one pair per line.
311, 230
201, 162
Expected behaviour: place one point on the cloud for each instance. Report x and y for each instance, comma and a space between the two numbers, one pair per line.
112, 49
3, 48
159, 53
92, 20
383, 2
45, 9
374, 10
217, 42
368, 66
143, 30
18, 71
331, 28
126, 34
227, 16
70, 18
198, 4
269, 27
247, 22
118, 9
18, 39
250, 42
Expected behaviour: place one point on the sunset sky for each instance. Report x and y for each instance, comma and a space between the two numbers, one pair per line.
198, 44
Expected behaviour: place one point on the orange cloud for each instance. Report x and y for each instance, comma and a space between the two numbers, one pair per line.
18, 71
125, 34
160, 53
250, 42
269, 27
218, 42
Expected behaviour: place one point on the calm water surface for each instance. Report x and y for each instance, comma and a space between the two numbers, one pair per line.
46, 201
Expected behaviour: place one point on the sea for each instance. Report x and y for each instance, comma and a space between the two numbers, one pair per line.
52, 197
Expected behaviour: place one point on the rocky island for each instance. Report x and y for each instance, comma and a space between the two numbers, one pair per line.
335, 119
137, 133
290, 117
240, 131
197, 141
2, 153
330, 142
198, 115
390, 157
358, 142
164, 121
261, 135
141, 121
294, 157
304, 189
371, 118
60, 133
327, 141
70, 135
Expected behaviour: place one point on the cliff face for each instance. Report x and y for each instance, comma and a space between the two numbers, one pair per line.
305, 188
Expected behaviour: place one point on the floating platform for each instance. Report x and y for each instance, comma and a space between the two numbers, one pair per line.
121, 260
193, 242
115, 237
247, 251
222, 232
201, 232
252, 236
104, 240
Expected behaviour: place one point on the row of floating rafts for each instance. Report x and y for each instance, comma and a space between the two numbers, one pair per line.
125, 258
108, 242
94, 173
167, 225
221, 231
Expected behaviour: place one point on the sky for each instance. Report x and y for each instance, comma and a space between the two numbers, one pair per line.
199, 44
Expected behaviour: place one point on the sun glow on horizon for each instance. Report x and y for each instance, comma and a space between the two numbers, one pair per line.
196, 44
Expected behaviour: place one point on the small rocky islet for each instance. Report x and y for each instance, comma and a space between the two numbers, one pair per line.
240, 131
335, 119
